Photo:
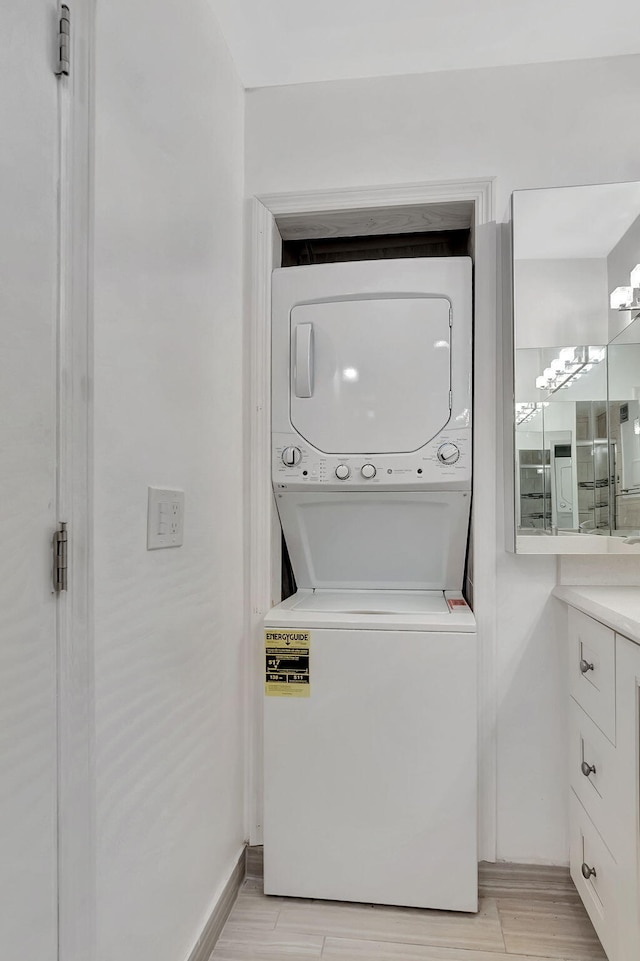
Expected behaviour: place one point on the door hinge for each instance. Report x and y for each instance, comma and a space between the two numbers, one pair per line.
450, 316
60, 541
450, 400
64, 41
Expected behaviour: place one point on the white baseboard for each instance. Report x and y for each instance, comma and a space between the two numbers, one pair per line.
207, 940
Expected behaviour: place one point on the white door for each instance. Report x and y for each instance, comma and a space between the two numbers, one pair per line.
370, 375
28, 314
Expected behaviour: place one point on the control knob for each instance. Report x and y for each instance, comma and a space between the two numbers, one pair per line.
291, 456
368, 471
448, 454
342, 472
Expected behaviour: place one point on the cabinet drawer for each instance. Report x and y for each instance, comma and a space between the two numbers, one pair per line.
588, 854
592, 665
592, 760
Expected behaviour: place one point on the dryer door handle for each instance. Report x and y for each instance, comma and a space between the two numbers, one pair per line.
303, 372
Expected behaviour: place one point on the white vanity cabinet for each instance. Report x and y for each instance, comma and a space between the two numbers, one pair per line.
604, 758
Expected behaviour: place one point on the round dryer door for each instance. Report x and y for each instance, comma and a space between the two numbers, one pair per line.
371, 375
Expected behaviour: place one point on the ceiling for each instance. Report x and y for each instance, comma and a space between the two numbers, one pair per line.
296, 41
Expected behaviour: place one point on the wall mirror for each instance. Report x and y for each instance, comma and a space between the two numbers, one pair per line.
624, 430
576, 396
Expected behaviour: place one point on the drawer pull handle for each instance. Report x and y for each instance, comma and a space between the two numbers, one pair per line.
587, 769
585, 666
588, 872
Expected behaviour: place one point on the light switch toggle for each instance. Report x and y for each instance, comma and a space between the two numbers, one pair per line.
165, 518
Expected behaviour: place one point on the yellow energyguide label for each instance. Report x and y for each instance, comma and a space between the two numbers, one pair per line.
287, 663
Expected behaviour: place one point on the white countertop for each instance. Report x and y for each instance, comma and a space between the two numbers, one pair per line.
568, 542
617, 607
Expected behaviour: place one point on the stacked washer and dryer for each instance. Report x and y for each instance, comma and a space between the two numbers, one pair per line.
370, 721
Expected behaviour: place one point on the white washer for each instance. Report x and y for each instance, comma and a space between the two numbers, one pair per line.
370, 669
370, 781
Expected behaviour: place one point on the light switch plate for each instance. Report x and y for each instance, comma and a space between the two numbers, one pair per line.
165, 518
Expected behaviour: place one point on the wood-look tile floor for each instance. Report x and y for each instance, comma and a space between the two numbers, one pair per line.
517, 920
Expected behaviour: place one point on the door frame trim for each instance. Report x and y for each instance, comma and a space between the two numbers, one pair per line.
263, 542
75, 684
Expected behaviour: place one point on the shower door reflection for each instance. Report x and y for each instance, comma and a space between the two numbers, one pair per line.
624, 428
562, 476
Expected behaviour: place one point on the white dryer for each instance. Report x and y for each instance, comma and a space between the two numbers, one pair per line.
371, 421
370, 669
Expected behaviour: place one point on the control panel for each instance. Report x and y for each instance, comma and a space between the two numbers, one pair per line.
445, 462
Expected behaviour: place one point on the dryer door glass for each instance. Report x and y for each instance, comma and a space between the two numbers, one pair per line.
370, 376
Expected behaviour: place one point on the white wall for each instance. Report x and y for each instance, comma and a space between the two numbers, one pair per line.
531, 126
624, 371
620, 262
168, 412
560, 303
